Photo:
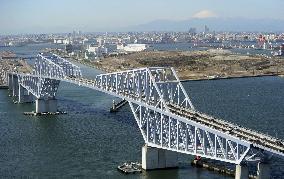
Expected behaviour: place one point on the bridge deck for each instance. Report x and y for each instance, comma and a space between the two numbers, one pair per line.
256, 138
161, 107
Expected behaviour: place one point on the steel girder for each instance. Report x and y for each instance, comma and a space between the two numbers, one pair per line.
171, 132
162, 108
40, 87
42, 82
152, 91
54, 66
154, 86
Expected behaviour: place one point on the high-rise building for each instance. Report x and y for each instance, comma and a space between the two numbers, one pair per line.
206, 29
74, 34
192, 31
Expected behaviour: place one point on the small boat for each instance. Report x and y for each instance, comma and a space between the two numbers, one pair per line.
130, 167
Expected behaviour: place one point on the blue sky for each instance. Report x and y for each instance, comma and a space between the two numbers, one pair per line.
29, 16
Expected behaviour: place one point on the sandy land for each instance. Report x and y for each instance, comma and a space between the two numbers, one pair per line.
196, 64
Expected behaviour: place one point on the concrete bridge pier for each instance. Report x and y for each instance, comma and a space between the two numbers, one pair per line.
24, 95
154, 158
263, 170
15, 85
9, 81
46, 105
242, 171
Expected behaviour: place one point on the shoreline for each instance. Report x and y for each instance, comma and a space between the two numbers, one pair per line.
185, 80
201, 76
231, 77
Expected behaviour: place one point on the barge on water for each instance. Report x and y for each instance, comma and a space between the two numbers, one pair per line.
130, 167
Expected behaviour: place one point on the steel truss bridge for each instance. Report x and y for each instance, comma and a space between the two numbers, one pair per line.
161, 107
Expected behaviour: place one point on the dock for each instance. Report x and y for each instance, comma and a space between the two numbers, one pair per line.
216, 168
44, 113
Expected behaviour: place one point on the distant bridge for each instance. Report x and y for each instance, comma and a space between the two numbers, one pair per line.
162, 109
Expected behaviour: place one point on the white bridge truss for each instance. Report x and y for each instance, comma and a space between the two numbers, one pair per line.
42, 83
162, 110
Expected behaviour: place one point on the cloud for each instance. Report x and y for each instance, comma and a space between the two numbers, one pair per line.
204, 14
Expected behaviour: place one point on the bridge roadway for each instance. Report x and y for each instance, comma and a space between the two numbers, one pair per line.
163, 111
257, 139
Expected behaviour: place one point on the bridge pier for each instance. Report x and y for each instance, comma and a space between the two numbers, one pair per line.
9, 81
242, 171
154, 158
15, 86
44, 106
263, 170
24, 95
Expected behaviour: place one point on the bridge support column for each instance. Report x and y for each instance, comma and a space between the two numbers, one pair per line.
43, 106
9, 81
154, 158
242, 171
24, 95
15, 85
263, 170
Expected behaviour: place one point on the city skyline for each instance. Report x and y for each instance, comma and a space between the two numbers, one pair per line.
33, 16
